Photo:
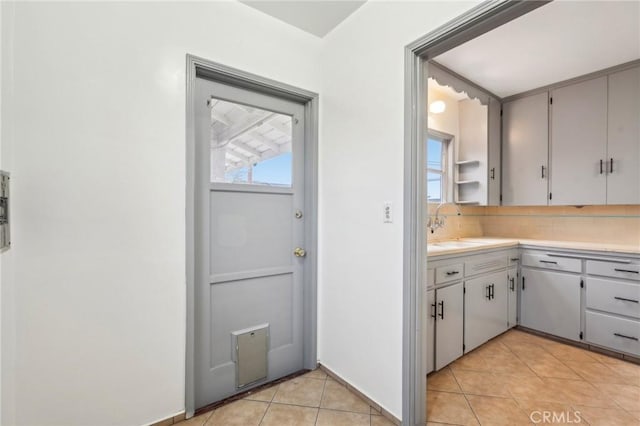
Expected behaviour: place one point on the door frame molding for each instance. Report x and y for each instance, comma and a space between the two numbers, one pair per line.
200, 67
484, 17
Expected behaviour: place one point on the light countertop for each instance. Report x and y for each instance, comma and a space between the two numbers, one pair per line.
464, 245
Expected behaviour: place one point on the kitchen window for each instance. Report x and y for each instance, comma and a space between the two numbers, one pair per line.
438, 167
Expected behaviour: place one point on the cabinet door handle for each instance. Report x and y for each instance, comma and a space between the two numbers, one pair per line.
513, 284
452, 273
487, 292
542, 171
523, 282
600, 166
626, 300
611, 165
433, 306
441, 314
493, 291
493, 173
625, 337
549, 261
626, 270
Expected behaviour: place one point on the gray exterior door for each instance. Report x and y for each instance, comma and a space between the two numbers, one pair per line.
249, 239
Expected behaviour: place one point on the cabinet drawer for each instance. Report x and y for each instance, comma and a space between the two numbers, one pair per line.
541, 260
484, 264
449, 273
513, 257
616, 333
629, 271
613, 296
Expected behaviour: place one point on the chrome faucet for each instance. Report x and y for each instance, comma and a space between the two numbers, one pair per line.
436, 221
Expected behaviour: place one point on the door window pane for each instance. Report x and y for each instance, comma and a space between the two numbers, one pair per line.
250, 145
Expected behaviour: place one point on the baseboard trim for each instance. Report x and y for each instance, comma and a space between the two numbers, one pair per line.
586, 346
171, 420
374, 405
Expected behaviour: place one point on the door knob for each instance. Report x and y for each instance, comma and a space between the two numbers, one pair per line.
299, 252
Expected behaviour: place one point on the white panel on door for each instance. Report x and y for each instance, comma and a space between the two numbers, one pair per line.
250, 231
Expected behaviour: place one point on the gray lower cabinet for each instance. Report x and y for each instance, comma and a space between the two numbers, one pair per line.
512, 297
431, 329
449, 312
485, 309
469, 304
550, 302
613, 332
612, 316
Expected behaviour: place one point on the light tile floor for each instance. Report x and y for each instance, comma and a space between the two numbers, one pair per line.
517, 377
313, 399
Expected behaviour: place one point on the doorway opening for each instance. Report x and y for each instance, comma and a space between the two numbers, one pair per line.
477, 21
251, 231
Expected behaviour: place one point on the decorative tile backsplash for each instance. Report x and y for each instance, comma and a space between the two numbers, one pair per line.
611, 224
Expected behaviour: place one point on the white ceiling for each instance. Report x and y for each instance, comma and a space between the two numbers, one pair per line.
556, 42
315, 17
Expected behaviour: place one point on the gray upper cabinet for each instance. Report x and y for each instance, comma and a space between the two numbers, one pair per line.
623, 147
525, 132
494, 153
578, 143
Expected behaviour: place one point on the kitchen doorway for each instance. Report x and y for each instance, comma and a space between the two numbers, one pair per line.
477, 21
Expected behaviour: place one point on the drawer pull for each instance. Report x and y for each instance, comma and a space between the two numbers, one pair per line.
626, 300
549, 261
626, 270
441, 314
452, 273
514, 259
625, 337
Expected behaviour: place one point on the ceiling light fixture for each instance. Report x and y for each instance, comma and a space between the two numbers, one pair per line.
437, 107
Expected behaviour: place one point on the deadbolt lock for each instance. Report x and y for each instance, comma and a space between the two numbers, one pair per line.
299, 252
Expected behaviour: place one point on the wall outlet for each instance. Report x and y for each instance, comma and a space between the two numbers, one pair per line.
387, 212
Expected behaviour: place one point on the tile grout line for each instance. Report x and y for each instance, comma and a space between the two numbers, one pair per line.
269, 405
465, 397
569, 361
511, 353
324, 386
572, 405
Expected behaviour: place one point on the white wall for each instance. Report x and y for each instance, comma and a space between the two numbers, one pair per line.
97, 148
361, 167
